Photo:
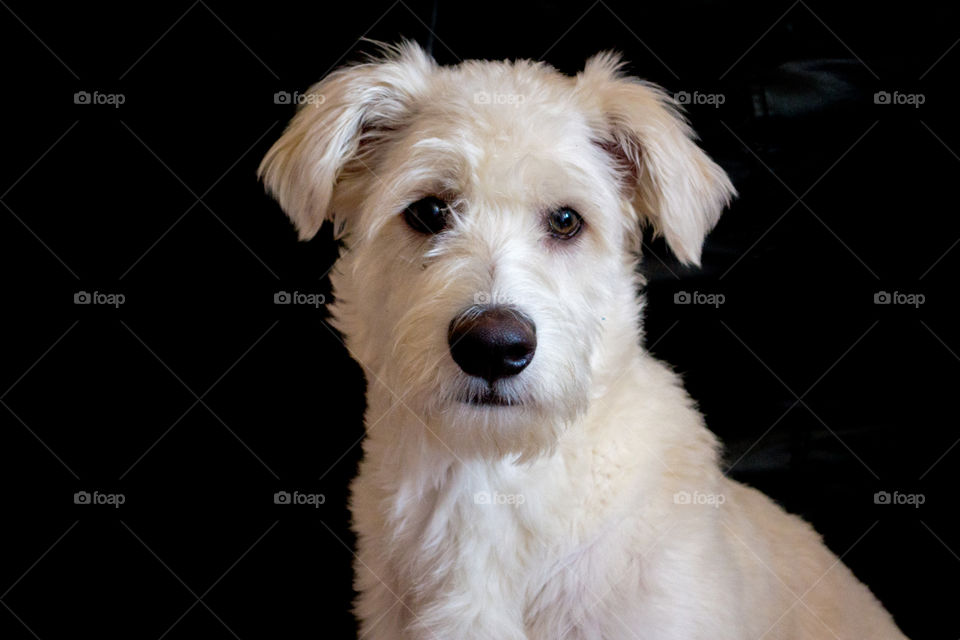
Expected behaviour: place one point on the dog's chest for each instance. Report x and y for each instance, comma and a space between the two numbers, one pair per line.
506, 547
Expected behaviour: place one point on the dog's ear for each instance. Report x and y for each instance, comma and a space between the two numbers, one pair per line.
340, 120
671, 182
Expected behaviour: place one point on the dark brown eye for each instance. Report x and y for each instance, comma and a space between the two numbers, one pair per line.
428, 215
564, 222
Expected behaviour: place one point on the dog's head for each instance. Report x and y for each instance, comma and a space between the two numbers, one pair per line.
491, 213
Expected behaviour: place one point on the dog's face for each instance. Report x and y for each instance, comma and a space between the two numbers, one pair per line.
491, 213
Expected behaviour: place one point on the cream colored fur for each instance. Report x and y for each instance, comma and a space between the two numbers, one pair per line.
594, 508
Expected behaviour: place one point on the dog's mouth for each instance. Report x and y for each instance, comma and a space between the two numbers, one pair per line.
490, 398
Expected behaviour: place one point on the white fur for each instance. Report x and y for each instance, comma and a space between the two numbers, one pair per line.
603, 438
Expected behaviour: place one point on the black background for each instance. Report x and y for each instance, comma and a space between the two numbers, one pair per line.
199, 398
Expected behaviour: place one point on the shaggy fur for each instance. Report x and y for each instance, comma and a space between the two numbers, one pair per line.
593, 506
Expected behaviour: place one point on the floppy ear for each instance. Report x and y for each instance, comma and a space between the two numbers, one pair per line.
672, 184
339, 121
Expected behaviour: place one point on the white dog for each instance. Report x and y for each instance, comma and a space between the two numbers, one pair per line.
529, 471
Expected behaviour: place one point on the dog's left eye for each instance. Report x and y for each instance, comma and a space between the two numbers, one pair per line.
428, 215
564, 222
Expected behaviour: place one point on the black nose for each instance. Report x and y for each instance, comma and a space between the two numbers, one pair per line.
492, 342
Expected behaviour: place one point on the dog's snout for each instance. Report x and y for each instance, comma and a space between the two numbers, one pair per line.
492, 342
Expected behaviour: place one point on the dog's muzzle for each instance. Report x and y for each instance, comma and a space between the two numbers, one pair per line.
492, 342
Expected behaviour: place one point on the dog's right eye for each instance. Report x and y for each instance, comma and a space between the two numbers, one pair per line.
428, 215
